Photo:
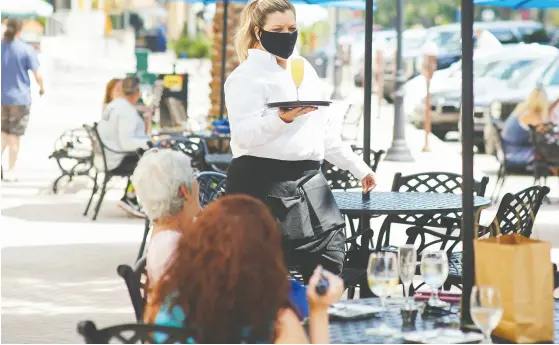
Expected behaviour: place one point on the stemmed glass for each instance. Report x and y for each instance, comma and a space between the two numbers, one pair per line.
382, 276
486, 309
434, 269
297, 72
407, 265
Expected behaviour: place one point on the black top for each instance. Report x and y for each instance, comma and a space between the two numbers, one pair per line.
401, 203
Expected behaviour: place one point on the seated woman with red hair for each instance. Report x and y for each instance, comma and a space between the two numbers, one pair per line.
227, 281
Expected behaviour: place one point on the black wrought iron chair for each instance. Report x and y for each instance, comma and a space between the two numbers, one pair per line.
135, 333
212, 186
99, 150
343, 179
190, 147
214, 161
516, 214
429, 182
136, 280
545, 139
73, 154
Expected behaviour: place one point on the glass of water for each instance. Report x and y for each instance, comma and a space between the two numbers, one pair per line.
434, 270
407, 265
382, 276
486, 309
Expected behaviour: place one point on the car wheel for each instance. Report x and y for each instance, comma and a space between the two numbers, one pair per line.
480, 148
388, 97
441, 134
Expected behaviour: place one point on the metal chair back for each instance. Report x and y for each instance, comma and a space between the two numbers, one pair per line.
136, 280
133, 334
212, 186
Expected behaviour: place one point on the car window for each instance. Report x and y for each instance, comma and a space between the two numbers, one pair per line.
505, 36
504, 70
440, 38
528, 76
533, 35
551, 77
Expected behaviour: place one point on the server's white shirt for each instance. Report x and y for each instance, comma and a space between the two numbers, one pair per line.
260, 132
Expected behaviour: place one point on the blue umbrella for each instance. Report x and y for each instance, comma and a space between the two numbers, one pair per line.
357, 5
519, 4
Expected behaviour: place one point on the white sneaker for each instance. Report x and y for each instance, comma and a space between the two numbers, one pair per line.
131, 208
10, 176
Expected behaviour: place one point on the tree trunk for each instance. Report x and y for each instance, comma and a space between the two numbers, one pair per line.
234, 15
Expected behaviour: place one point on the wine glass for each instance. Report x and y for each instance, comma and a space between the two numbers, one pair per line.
407, 265
382, 276
486, 309
297, 72
434, 269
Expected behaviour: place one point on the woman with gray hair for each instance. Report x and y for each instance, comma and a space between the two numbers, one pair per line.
166, 186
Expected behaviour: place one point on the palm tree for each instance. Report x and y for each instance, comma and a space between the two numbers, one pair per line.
234, 15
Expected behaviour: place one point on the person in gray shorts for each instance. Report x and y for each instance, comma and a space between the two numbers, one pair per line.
17, 59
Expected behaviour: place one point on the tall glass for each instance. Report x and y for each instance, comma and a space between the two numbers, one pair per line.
407, 266
486, 309
297, 72
434, 269
382, 276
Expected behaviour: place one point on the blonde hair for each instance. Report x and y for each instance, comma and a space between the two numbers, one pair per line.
535, 109
254, 16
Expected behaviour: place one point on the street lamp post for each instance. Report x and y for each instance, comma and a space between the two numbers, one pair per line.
399, 150
337, 94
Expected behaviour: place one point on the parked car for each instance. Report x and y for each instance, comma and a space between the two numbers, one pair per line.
412, 41
498, 107
358, 53
492, 70
448, 40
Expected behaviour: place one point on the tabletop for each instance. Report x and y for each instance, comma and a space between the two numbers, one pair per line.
402, 203
355, 332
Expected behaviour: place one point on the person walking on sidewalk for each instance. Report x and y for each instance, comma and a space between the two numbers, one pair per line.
18, 58
278, 153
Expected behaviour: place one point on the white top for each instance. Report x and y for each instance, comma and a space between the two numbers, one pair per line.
260, 132
121, 129
159, 253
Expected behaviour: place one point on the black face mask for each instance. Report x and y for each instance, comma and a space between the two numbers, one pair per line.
278, 43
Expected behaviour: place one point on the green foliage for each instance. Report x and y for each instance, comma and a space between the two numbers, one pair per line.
198, 48
426, 13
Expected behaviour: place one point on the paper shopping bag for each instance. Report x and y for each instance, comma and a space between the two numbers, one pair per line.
521, 268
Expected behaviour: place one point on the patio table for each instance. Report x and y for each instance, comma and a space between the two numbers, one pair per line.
402, 203
421, 206
354, 332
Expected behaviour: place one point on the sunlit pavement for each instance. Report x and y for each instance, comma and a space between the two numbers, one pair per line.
59, 267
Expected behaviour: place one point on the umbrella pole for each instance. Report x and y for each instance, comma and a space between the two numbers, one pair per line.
399, 150
368, 81
337, 57
468, 275
223, 59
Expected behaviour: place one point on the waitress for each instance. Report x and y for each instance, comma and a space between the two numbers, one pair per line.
278, 152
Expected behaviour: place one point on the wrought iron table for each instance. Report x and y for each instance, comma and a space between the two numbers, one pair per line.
354, 332
402, 203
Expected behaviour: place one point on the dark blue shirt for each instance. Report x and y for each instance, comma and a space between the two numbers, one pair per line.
517, 143
18, 58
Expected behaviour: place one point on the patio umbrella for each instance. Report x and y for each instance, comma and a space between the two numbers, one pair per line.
519, 4
25, 8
